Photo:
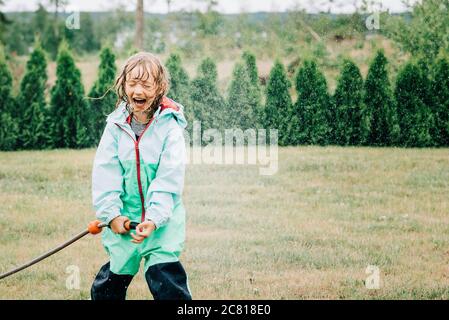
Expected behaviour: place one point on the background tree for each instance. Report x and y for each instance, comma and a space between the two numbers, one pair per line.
102, 93
138, 37
425, 74
84, 39
169, 2
351, 121
179, 79
8, 125
425, 32
278, 112
414, 116
210, 22
384, 129
70, 116
251, 67
51, 37
34, 129
208, 105
58, 4
180, 86
241, 98
312, 107
55, 30
40, 20
439, 91
3, 23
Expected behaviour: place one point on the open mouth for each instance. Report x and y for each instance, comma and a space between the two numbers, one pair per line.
139, 102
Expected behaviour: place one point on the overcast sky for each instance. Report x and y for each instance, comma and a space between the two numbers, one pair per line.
225, 6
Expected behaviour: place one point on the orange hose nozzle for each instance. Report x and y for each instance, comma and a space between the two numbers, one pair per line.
93, 227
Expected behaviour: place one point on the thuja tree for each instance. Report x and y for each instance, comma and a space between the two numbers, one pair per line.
102, 97
439, 91
242, 111
378, 98
278, 112
208, 105
9, 130
312, 107
179, 79
180, 86
351, 121
249, 60
34, 126
414, 116
69, 111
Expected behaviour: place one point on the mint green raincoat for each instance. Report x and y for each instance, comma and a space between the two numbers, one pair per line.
142, 179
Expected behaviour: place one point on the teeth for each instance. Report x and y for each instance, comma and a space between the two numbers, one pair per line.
139, 100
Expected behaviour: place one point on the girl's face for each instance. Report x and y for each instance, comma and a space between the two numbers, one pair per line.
140, 89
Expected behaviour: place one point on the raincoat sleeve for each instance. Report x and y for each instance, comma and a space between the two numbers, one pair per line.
107, 177
168, 183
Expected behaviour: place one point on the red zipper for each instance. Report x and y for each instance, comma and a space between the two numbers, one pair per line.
136, 148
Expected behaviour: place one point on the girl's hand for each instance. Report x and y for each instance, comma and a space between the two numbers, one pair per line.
118, 225
143, 230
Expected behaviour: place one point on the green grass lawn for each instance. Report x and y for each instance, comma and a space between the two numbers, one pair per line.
309, 231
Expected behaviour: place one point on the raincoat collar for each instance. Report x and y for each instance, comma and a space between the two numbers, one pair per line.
167, 107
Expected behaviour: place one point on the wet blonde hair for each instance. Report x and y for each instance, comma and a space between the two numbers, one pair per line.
151, 67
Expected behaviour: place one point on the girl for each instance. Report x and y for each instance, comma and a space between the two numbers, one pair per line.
138, 175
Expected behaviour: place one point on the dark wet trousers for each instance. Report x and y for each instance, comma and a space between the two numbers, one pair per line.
167, 281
